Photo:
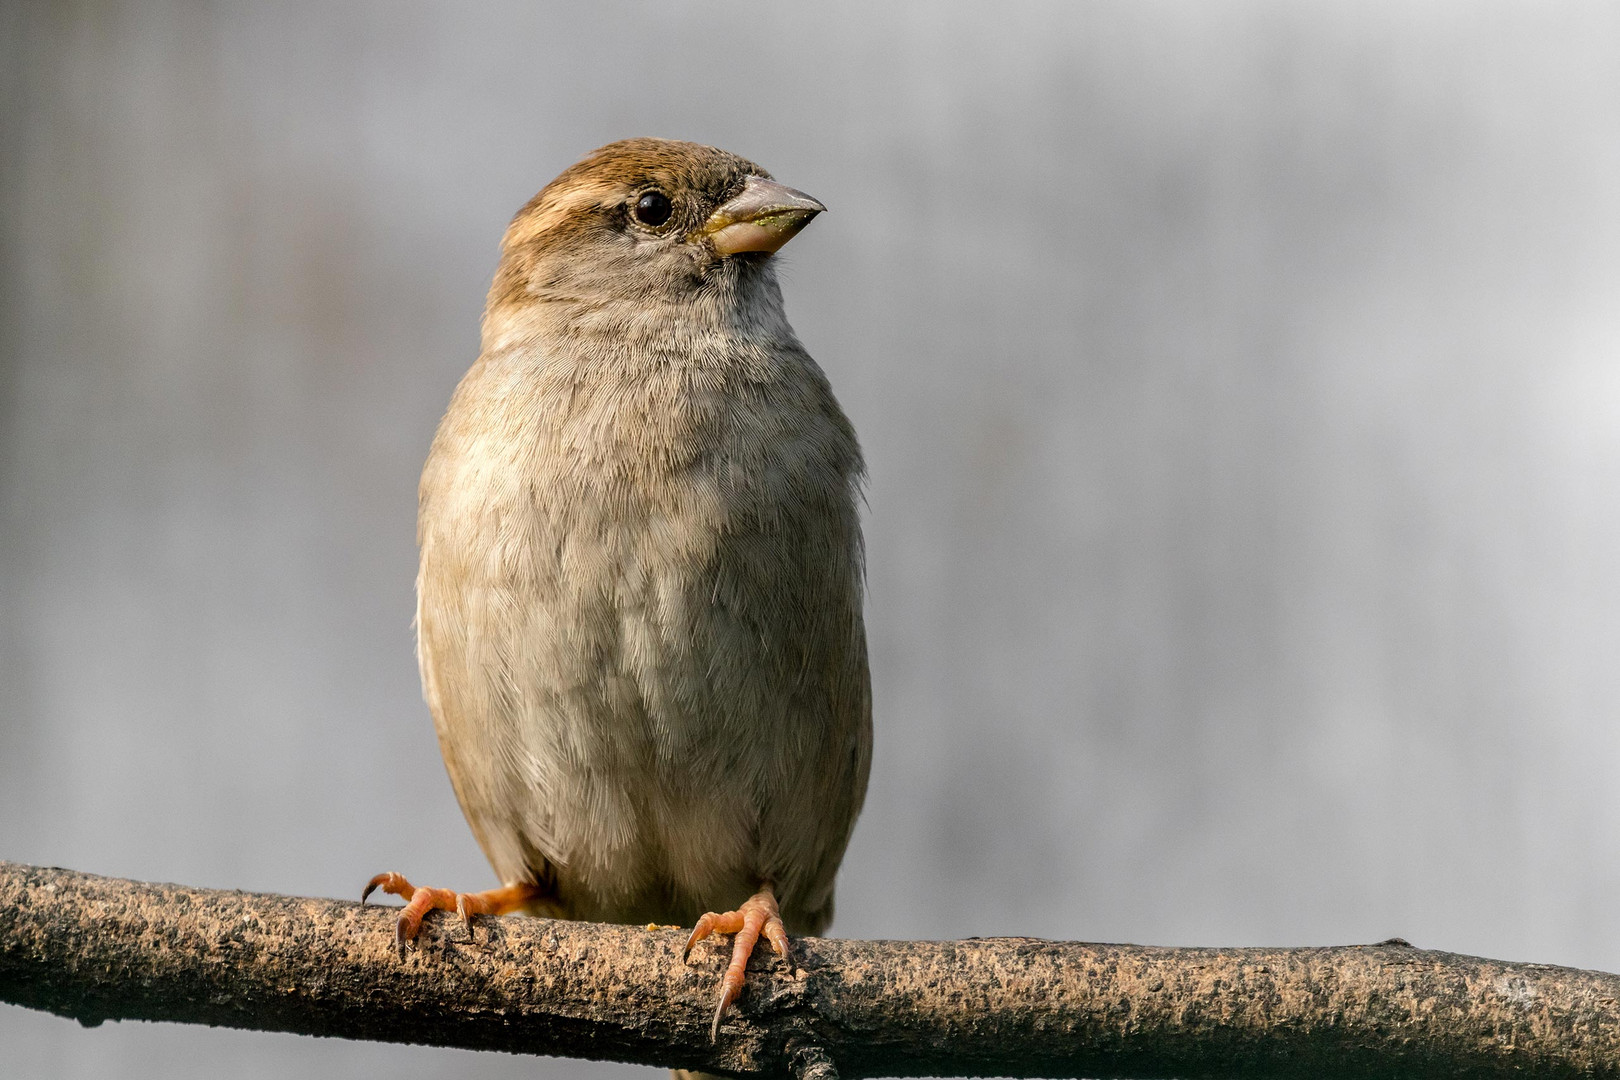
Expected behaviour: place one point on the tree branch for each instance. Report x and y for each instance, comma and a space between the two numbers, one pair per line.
101, 949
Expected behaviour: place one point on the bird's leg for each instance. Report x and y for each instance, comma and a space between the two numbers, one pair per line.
419, 901
758, 915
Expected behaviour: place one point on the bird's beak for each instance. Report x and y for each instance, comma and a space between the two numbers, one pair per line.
762, 217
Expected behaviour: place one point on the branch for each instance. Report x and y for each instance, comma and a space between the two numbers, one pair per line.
102, 949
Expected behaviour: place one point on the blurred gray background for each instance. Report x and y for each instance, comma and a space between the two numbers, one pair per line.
1240, 385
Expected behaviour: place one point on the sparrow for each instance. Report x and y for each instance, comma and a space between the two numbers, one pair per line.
639, 608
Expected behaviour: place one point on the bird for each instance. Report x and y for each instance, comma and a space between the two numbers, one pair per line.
640, 598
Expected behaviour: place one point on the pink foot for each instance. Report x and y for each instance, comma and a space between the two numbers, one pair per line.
758, 915
420, 901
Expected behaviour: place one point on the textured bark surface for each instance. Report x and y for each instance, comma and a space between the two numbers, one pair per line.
100, 949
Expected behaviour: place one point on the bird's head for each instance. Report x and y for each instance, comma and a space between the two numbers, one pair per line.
642, 231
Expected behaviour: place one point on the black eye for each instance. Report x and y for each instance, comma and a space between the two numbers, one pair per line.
652, 209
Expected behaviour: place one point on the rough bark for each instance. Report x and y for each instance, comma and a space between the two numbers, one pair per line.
101, 949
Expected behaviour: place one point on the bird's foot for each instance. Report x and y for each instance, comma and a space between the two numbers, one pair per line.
420, 901
758, 915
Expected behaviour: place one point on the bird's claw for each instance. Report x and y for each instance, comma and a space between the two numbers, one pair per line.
421, 900
757, 916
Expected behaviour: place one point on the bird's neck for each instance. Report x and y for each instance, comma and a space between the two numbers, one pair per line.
708, 324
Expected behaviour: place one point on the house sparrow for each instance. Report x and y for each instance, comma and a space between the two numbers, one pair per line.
639, 606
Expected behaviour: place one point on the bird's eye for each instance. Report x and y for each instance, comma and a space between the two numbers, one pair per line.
652, 209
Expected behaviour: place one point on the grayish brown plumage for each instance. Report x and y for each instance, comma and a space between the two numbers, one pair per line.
639, 606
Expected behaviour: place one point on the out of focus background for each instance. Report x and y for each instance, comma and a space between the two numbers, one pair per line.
1240, 384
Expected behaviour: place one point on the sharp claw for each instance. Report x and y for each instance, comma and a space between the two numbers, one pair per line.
372, 886
720, 1010
699, 932
382, 881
